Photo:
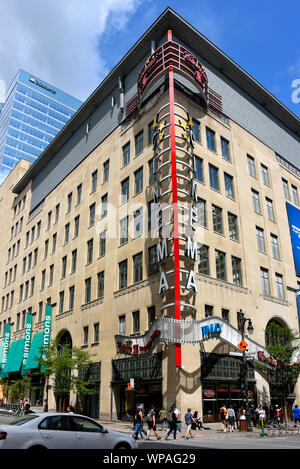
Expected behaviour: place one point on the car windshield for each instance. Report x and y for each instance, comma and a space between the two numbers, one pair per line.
21, 420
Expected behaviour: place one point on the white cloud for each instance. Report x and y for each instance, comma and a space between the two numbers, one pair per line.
57, 40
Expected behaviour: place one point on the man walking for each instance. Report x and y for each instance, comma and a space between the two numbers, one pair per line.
139, 420
189, 419
172, 421
231, 418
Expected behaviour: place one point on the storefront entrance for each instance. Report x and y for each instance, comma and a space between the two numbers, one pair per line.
137, 380
221, 384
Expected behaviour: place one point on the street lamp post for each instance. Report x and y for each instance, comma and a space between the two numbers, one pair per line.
244, 368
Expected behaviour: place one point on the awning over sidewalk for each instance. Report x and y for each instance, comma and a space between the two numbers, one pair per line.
15, 355
35, 351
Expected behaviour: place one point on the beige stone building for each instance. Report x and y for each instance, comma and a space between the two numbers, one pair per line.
78, 231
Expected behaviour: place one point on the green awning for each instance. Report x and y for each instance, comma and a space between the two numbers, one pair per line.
15, 356
35, 351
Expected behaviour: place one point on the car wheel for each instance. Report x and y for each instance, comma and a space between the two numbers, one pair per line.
122, 446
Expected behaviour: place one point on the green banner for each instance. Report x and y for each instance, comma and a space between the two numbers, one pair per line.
47, 333
6, 341
27, 342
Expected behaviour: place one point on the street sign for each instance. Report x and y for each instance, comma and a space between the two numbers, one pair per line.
242, 345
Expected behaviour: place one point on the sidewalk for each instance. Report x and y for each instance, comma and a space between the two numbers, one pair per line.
214, 430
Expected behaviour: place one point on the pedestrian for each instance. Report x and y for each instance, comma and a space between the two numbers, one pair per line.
70, 409
266, 409
151, 423
172, 421
296, 413
231, 417
177, 413
138, 423
261, 414
27, 409
163, 418
223, 413
189, 419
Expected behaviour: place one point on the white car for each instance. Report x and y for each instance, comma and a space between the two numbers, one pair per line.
61, 431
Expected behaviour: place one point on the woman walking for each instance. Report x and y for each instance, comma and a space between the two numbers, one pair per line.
151, 423
139, 420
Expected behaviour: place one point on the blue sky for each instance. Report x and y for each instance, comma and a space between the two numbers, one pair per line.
73, 44
263, 37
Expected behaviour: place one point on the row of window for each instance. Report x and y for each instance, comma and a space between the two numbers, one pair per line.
252, 171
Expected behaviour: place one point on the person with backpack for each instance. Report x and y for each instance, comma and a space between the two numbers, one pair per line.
172, 421
150, 418
189, 419
223, 413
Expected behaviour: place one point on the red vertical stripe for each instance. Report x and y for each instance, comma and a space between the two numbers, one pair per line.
175, 210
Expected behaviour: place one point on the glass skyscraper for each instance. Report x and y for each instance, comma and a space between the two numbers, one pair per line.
32, 115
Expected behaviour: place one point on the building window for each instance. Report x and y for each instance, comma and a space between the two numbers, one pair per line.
236, 270
209, 310
275, 246
94, 180
217, 219
233, 226
102, 244
43, 279
138, 181
265, 175
196, 130
39, 224
96, 332
153, 267
279, 285
229, 189
221, 265
260, 240
46, 248
79, 194
137, 267
92, 211
199, 169
203, 259
90, 248
201, 212
61, 302
74, 261
71, 297
264, 276
85, 335
270, 210
214, 177
151, 315
135, 322
225, 314
122, 324
255, 201
126, 154
285, 186
87, 294
48, 224
123, 274
64, 267
124, 191
40, 313
210, 138
124, 230
151, 171
104, 200
54, 239
251, 166
150, 133
67, 232
225, 149
105, 171
51, 273
295, 195
139, 142
100, 284
138, 222
76, 226
69, 202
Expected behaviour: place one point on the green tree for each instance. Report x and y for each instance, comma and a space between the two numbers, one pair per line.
281, 343
18, 388
65, 365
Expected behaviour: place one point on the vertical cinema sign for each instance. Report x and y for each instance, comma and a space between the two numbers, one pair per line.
175, 198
